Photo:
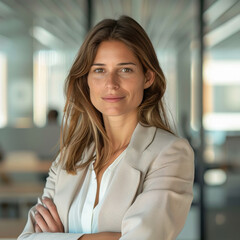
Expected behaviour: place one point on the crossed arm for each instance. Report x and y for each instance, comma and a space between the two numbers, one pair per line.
48, 220
167, 186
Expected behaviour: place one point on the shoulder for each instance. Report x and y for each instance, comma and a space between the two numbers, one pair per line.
154, 148
164, 141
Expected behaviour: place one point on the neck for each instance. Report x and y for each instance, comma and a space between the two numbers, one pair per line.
119, 130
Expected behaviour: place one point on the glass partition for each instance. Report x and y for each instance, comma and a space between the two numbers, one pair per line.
221, 119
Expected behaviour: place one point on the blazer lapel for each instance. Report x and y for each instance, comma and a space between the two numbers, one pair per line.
67, 187
127, 181
119, 197
142, 137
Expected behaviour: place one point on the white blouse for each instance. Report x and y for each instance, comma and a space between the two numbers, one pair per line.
83, 217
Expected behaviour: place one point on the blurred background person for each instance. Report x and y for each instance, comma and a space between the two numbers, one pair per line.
52, 117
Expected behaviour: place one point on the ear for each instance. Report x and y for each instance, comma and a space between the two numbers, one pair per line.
149, 79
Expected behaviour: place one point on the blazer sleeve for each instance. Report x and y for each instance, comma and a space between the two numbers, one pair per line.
160, 210
49, 191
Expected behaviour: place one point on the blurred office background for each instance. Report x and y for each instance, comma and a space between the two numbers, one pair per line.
198, 46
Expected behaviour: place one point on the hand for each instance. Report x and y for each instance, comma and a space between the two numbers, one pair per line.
47, 218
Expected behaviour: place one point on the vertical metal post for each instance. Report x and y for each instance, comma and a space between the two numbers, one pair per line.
201, 162
89, 14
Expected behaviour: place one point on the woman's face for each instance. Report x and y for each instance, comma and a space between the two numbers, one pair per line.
116, 80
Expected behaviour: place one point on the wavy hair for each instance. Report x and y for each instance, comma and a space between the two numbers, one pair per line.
82, 125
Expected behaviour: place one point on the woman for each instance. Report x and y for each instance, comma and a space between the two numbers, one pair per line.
121, 172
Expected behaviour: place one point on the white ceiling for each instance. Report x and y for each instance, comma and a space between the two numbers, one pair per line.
169, 23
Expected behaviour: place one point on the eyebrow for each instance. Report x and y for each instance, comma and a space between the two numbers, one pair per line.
119, 64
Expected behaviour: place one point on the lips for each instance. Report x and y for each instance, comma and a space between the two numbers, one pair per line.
112, 99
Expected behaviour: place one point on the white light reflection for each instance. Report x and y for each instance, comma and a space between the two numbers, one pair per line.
3, 90
49, 76
40, 89
222, 121
222, 72
215, 177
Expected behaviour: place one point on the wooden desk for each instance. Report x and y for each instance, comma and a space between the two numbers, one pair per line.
22, 195
22, 167
17, 191
11, 228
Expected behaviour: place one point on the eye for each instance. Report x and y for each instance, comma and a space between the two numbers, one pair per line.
98, 70
126, 70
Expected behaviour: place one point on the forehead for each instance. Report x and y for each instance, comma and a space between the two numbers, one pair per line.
112, 50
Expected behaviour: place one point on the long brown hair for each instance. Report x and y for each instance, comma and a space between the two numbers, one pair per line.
82, 125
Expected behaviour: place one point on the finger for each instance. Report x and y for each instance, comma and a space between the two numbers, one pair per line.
47, 216
40, 222
52, 209
37, 228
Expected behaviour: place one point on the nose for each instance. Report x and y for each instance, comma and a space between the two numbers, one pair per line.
112, 81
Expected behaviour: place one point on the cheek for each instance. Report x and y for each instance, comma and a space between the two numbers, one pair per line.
138, 96
94, 95
91, 90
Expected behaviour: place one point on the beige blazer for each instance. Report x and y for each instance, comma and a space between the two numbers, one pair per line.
149, 197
